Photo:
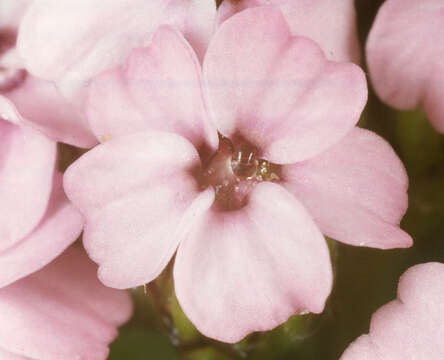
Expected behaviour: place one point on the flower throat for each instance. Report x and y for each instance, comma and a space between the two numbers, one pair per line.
233, 171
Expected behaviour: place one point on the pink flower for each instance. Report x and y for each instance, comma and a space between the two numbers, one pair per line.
38, 101
60, 312
410, 327
64, 44
245, 213
404, 51
36, 220
332, 24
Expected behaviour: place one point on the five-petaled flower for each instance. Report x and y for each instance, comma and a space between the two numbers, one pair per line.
239, 167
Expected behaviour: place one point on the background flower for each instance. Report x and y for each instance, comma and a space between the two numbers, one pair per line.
36, 220
38, 101
60, 312
64, 44
410, 327
404, 56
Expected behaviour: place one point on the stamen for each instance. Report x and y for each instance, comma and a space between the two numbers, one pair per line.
233, 171
244, 163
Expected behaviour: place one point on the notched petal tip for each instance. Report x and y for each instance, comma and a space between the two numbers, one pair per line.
213, 275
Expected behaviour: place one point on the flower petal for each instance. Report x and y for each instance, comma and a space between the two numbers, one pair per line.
115, 307
58, 229
11, 12
363, 349
27, 161
6, 355
137, 190
54, 314
356, 191
249, 270
41, 103
278, 91
71, 42
411, 327
331, 24
404, 51
160, 88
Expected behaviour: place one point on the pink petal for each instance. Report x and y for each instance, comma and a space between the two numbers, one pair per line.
404, 51
278, 91
58, 229
47, 110
363, 348
71, 41
249, 270
6, 355
54, 314
356, 191
27, 161
10, 60
137, 190
113, 306
160, 88
331, 24
411, 327
11, 12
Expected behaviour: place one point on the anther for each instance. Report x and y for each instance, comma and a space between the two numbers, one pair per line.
244, 163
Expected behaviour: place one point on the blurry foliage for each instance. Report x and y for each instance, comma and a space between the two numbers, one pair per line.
365, 278
134, 344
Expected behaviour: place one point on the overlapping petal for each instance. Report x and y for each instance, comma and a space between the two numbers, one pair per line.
356, 191
71, 41
43, 107
160, 88
136, 192
331, 24
27, 161
250, 269
404, 51
59, 228
11, 12
61, 312
410, 327
278, 91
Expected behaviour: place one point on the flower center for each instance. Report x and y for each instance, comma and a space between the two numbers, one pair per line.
233, 171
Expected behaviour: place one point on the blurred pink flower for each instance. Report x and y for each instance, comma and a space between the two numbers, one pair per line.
404, 55
37, 222
410, 327
332, 24
65, 43
38, 101
245, 213
61, 312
